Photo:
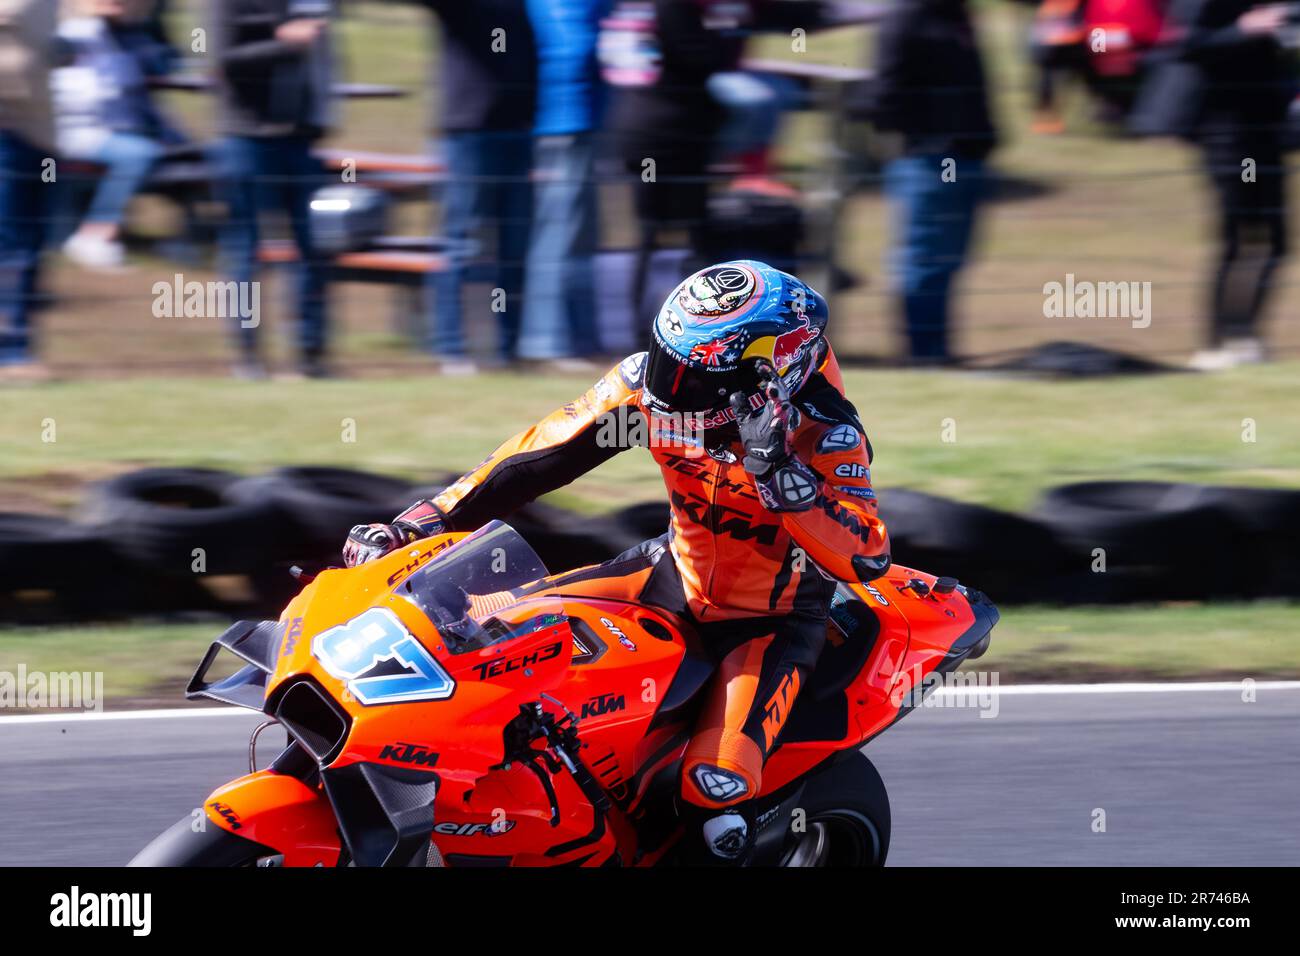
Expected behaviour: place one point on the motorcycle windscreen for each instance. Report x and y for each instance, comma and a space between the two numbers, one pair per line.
467, 591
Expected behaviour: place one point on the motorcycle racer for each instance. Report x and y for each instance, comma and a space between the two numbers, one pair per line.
767, 467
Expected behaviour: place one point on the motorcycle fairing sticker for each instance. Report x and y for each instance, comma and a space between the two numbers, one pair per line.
350, 651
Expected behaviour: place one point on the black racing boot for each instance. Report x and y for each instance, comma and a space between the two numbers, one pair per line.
717, 837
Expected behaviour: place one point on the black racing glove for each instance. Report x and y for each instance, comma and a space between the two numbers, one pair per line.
369, 541
784, 482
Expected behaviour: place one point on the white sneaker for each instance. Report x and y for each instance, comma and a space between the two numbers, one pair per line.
103, 255
1232, 354
458, 367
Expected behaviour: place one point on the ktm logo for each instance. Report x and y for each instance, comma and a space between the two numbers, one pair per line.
227, 814
723, 520
291, 638
409, 753
602, 705
844, 518
778, 709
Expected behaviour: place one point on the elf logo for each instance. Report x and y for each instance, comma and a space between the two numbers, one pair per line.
851, 470
602, 705
474, 829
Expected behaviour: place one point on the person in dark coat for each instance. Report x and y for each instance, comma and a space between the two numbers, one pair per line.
666, 120
1245, 88
930, 89
274, 77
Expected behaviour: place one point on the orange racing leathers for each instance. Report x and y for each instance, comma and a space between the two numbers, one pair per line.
759, 577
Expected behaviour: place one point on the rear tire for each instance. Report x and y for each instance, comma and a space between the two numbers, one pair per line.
846, 816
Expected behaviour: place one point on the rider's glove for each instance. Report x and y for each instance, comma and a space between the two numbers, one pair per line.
784, 483
369, 541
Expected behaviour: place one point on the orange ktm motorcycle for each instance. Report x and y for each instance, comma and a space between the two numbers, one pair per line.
444, 706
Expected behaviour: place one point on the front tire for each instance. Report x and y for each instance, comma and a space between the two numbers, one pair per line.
846, 818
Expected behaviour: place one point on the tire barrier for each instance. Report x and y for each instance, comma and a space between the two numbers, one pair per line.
1017, 559
167, 540
320, 505
1165, 541
181, 521
54, 570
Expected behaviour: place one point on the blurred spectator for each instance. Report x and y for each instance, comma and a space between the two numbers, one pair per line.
1246, 87
678, 92
106, 116
930, 88
1057, 49
274, 72
488, 92
26, 142
559, 304
665, 123
753, 103
156, 27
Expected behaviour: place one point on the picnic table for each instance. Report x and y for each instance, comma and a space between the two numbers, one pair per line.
398, 173
192, 81
403, 263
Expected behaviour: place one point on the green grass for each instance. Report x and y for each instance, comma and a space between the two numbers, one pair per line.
1167, 642
142, 662
1013, 437
149, 663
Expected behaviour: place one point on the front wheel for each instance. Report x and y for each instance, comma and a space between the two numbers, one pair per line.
846, 820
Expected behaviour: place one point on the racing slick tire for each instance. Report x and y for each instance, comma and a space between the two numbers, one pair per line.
846, 817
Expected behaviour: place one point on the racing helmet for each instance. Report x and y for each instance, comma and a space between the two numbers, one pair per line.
714, 329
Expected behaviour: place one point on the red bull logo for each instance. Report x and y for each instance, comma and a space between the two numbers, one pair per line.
789, 347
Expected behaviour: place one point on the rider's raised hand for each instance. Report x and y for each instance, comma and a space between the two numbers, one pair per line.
765, 431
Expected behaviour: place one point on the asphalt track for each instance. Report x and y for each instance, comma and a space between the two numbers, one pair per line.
1185, 777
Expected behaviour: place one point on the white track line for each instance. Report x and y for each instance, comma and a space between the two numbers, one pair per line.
1006, 691
1117, 688
55, 717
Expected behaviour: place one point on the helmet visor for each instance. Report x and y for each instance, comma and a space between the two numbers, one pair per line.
694, 389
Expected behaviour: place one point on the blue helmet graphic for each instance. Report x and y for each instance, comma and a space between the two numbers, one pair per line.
715, 329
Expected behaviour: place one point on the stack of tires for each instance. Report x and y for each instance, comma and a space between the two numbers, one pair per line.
161, 540
1150, 540
1012, 558
167, 540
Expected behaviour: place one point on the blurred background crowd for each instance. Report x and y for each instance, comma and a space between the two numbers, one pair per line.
583, 155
